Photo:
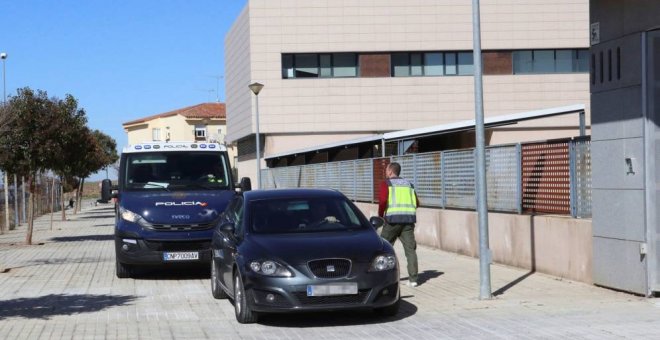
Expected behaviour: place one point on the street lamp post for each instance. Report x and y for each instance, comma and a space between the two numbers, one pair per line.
256, 88
3, 56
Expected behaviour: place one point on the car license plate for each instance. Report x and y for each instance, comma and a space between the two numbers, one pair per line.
181, 256
344, 288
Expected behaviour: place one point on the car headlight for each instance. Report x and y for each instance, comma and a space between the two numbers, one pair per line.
270, 268
383, 262
129, 215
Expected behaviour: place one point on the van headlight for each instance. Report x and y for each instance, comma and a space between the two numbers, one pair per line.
383, 263
129, 216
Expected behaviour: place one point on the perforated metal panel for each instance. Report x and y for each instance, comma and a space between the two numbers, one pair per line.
459, 183
546, 177
332, 178
428, 172
364, 180
346, 182
502, 178
582, 178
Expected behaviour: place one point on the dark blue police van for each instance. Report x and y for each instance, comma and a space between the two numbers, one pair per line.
169, 199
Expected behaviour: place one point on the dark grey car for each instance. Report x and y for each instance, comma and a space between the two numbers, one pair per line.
301, 250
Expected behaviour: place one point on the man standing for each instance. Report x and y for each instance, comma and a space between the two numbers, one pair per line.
397, 205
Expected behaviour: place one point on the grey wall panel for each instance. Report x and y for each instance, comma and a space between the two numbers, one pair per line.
619, 265
618, 214
610, 170
619, 114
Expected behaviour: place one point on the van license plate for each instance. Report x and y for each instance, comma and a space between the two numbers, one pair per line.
181, 256
347, 288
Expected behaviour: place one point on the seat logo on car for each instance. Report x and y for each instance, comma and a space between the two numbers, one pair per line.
330, 269
181, 204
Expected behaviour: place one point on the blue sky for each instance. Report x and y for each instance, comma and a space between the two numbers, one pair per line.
121, 59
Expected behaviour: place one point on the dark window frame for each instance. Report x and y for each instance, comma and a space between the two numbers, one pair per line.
356, 58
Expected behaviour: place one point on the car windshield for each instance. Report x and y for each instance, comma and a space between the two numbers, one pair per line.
304, 215
173, 171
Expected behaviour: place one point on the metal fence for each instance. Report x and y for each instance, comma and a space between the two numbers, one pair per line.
19, 199
546, 177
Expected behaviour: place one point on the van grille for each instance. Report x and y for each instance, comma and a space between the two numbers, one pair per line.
180, 227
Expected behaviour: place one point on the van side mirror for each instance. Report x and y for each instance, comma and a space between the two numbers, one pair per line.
245, 184
228, 228
376, 221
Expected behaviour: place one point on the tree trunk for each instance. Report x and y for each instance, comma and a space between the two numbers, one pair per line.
63, 206
80, 193
28, 237
52, 202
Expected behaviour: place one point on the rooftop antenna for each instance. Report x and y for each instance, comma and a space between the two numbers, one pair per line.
217, 86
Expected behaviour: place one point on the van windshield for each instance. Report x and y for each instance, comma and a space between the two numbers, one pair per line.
174, 171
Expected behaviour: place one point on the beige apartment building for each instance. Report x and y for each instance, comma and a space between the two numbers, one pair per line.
343, 70
204, 122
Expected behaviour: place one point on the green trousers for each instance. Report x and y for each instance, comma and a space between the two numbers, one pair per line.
406, 233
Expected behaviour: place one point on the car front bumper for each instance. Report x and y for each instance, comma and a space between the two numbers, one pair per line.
276, 295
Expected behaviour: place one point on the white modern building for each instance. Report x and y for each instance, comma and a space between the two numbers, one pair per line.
337, 70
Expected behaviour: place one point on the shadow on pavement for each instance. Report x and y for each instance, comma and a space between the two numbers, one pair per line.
173, 272
104, 225
334, 319
44, 307
426, 276
97, 216
512, 283
83, 238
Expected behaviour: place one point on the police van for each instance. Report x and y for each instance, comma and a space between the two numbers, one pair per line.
169, 200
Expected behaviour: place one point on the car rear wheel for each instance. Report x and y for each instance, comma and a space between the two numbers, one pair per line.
123, 270
241, 307
390, 310
216, 289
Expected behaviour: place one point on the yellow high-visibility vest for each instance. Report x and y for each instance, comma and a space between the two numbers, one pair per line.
401, 202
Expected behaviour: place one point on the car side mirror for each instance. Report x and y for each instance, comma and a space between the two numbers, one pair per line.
245, 184
376, 221
114, 193
228, 228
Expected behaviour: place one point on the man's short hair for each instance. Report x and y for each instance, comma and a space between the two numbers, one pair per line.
395, 167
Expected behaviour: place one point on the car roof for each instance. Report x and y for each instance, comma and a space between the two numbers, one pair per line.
291, 193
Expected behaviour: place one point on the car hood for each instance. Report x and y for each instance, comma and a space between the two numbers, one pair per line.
360, 246
177, 207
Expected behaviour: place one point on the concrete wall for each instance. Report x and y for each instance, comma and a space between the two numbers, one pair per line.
555, 245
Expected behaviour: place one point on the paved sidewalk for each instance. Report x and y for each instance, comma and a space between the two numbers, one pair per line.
66, 288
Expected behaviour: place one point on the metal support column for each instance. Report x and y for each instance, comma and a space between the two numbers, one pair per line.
482, 204
583, 124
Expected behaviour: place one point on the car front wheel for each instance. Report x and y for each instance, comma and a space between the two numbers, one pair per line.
242, 309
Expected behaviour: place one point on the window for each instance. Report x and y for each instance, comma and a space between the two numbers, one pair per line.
432, 64
416, 64
306, 66
344, 65
287, 66
550, 61
155, 134
200, 131
465, 63
324, 65
400, 66
450, 64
